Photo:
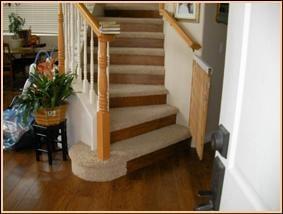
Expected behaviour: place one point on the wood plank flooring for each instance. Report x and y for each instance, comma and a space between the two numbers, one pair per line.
170, 185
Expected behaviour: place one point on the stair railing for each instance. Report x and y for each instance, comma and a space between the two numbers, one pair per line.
77, 20
172, 21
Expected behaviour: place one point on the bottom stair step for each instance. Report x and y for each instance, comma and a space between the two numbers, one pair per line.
127, 155
152, 141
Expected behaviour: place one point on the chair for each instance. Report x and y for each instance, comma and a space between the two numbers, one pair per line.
7, 65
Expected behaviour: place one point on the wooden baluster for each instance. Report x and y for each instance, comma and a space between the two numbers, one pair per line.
85, 81
103, 115
107, 72
91, 90
64, 30
66, 36
61, 57
79, 71
72, 37
75, 34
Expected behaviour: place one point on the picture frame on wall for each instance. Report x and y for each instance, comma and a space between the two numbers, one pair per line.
187, 11
222, 11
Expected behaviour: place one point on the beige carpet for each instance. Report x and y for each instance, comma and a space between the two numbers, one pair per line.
125, 117
130, 6
87, 166
150, 35
132, 90
151, 141
134, 51
133, 69
132, 20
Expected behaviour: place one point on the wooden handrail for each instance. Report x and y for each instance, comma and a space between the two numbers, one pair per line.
89, 18
172, 21
92, 22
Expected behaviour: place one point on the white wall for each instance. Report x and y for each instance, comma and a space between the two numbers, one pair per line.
214, 45
81, 127
251, 108
178, 63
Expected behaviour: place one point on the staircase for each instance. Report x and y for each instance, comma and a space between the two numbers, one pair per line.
143, 126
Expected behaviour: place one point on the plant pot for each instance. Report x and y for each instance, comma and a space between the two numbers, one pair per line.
51, 116
15, 43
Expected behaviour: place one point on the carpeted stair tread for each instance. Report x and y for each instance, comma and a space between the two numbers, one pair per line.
132, 20
130, 6
83, 155
133, 51
133, 90
86, 165
152, 141
130, 116
138, 35
134, 69
151, 35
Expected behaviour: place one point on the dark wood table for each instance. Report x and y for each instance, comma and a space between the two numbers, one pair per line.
23, 57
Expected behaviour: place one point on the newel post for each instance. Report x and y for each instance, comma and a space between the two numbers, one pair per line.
61, 54
161, 8
103, 115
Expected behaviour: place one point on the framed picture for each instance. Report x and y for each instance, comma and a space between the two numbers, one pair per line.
187, 11
222, 11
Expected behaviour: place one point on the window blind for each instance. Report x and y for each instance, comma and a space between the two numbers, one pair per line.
42, 18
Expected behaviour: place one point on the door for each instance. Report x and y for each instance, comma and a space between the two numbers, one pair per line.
251, 108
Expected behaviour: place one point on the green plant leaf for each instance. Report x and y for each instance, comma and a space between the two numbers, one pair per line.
45, 93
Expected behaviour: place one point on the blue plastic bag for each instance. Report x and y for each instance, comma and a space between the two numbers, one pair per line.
13, 127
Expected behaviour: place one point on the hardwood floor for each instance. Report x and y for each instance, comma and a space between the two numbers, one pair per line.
172, 184
167, 185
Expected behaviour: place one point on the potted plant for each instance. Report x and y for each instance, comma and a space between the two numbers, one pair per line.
46, 98
15, 26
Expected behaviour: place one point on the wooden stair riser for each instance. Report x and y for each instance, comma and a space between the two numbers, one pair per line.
134, 42
117, 102
142, 128
160, 155
132, 13
137, 79
121, 59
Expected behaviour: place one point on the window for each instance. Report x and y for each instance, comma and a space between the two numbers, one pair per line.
41, 18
